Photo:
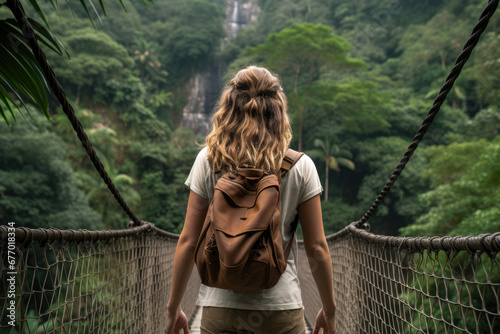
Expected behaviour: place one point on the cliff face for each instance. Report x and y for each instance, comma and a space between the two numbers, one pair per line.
204, 88
202, 93
239, 15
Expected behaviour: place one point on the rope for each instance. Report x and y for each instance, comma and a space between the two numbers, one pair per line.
25, 235
462, 58
17, 9
489, 243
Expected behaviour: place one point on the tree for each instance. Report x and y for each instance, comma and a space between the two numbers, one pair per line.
37, 186
300, 54
329, 152
188, 37
429, 49
466, 194
162, 166
486, 70
103, 201
20, 73
95, 59
144, 58
104, 141
375, 161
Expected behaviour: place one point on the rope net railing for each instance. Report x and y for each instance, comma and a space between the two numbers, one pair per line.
88, 282
416, 285
119, 281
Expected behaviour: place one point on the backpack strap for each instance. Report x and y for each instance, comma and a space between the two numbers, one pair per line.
290, 159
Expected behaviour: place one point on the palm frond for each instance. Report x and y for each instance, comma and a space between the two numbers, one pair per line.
20, 73
346, 163
321, 144
316, 154
5, 103
36, 6
43, 35
333, 164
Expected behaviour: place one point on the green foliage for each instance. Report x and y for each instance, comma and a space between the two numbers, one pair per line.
162, 169
300, 53
486, 69
362, 107
37, 186
337, 215
330, 153
188, 34
375, 161
96, 59
445, 33
20, 74
466, 196
126, 77
485, 124
105, 141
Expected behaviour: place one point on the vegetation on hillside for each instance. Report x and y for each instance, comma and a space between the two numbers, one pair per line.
359, 75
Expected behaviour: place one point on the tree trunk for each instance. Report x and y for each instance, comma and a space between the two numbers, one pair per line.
78, 93
301, 126
296, 81
326, 179
443, 60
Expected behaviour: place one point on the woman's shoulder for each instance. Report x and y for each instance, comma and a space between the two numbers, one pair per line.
201, 162
202, 157
203, 153
303, 168
305, 163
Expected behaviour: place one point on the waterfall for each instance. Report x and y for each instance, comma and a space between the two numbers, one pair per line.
234, 21
203, 88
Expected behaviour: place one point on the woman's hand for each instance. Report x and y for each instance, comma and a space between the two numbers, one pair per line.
325, 321
176, 322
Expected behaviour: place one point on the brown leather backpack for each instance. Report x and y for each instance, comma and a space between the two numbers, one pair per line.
240, 246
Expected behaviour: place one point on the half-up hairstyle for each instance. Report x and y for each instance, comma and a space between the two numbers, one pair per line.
251, 127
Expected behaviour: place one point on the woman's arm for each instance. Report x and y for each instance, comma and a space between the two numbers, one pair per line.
184, 260
318, 254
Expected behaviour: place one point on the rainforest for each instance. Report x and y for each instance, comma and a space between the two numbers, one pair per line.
359, 75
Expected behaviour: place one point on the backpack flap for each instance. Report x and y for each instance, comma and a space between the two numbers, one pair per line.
238, 248
242, 211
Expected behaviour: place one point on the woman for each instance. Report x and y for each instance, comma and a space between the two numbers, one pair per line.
251, 128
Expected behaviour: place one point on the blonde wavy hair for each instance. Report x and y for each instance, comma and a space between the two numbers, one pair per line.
251, 126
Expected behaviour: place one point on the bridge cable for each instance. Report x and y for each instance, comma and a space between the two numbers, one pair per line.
17, 9
462, 58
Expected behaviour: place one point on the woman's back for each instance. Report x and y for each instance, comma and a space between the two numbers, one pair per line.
298, 185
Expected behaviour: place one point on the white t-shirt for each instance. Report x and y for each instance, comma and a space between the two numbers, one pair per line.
298, 185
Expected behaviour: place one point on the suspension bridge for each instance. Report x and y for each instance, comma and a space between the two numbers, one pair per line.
118, 281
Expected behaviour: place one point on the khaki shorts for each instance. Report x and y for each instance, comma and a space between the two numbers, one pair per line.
219, 320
